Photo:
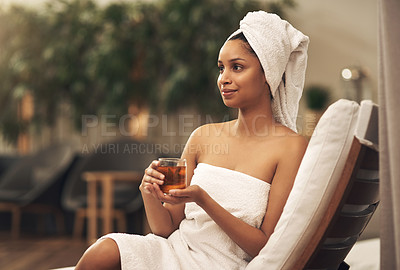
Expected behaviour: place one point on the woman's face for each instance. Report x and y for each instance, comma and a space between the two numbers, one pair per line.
241, 80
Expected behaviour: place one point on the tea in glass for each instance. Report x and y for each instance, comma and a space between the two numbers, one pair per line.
174, 170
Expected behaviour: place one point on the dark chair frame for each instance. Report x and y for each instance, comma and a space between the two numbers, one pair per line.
31, 198
351, 207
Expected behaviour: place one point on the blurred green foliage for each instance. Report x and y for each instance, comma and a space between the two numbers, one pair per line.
317, 97
98, 59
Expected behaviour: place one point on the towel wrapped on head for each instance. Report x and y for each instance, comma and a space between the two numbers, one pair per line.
282, 51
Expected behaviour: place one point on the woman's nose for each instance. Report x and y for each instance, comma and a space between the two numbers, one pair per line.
224, 78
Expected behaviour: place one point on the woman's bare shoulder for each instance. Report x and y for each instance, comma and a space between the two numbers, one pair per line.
296, 144
212, 129
291, 142
204, 137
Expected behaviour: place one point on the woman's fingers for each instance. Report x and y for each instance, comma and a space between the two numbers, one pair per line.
161, 195
152, 175
154, 164
153, 169
178, 192
190, 194
153, 172
152, 189
152, 180
158, 192
167, 198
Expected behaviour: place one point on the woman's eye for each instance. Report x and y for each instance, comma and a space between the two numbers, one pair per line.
237, 67
221, 69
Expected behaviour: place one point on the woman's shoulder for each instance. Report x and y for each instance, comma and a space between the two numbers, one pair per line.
290, 141
212, 129
205, 137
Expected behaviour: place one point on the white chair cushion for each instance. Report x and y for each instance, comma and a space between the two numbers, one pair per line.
367, 124
315, 182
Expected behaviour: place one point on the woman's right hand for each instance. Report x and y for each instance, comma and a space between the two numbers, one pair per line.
152, 179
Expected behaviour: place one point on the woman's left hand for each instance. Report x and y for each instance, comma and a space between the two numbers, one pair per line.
192, 193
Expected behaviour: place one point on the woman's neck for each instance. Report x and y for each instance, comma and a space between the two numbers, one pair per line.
254, 122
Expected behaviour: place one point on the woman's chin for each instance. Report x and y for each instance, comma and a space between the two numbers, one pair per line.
230, 104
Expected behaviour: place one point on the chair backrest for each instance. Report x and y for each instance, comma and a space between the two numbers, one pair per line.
121, 155
352, 206
354, 200
30, 176
334, 194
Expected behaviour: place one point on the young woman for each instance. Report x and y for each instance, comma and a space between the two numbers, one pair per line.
235, 197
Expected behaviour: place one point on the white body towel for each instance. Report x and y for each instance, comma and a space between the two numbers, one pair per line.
200, 243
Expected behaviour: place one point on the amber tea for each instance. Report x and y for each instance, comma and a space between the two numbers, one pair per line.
174, 170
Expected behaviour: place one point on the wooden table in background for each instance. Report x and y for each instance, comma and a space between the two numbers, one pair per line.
106, 180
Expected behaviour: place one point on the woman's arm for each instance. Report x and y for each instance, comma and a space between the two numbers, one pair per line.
164, 218
158, 217
249, 238
282, 183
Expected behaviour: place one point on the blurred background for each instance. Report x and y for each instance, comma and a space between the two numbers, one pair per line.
100, 85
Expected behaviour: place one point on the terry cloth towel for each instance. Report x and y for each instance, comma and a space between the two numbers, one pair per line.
200, 243
282, 51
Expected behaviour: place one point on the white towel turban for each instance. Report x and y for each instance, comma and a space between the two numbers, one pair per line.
282, 51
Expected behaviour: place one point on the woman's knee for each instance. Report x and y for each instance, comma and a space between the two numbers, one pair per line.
102, 255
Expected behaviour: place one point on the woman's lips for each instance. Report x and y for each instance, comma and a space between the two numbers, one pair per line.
228, 92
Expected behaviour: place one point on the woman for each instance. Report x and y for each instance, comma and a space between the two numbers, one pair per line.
234, 200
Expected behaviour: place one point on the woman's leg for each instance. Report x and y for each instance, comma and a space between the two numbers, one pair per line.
102, 255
